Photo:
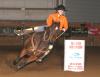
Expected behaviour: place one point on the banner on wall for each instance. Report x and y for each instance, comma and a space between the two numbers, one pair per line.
74, 54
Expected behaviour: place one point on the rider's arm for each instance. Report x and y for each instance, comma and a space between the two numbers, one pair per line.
49, 20
64, 23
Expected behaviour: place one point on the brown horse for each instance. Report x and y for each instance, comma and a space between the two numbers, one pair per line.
36, 47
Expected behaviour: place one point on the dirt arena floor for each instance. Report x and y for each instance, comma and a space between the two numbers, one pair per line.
52, 66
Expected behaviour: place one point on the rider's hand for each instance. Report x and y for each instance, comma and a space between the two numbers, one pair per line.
63, 30
56, 28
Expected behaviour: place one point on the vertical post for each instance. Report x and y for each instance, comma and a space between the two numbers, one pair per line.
23, 24
22, 28
61, 1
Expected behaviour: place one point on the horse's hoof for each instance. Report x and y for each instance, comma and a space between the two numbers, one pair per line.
19, 67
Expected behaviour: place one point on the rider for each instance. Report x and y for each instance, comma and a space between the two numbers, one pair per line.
58, 17
57, 22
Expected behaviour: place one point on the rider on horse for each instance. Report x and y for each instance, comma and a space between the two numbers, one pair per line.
57, 23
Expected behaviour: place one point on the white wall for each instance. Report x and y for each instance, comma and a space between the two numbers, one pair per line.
83, 10
78, 10
19, 14
28, 3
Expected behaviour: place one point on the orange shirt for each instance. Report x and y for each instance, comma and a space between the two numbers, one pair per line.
55, 17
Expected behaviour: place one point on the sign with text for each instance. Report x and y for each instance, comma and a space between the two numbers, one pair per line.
74, 54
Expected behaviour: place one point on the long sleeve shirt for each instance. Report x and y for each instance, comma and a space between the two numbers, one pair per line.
55, 17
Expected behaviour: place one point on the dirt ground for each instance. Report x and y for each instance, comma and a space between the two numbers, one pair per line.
52, 65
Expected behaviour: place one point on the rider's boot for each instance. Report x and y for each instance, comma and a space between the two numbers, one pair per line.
50, 46
16, 60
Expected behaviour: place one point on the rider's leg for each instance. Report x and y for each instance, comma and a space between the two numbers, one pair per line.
51, 41
53, 35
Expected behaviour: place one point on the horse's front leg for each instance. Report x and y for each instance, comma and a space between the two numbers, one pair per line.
27, 61
19, 57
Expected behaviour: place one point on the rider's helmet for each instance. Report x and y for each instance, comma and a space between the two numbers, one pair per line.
60, 7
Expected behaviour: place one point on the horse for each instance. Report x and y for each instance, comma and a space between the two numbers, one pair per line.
36, 47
